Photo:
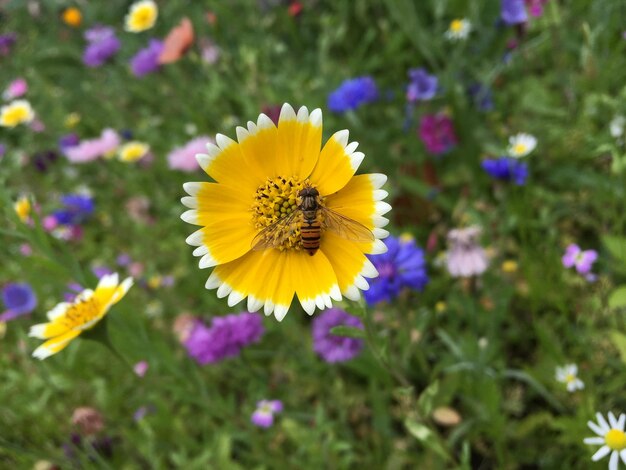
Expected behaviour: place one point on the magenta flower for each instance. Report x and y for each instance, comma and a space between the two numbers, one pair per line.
263, 416
184, 158
581, 260
141, 368
437, 133
535, 7
16, 88
91, 149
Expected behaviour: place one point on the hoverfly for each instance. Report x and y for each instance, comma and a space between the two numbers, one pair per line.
312, 219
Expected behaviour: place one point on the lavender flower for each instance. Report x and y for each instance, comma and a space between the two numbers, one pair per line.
103, 44
402, 266
6, 43
422, 85
147, 60
513, 12
581, 260
263, 416
184, 158
353, 93
330, 347
224, 338
78, 208
90, 149
19, 299
465, 256
506, 169
437, 133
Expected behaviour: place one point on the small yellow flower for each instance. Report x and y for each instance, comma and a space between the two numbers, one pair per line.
406, 237
142, 16
71, 120
440, 306
133, 151
68, 320
3, 329
15, 113
155, 282
509, 266
22, 208
72, 17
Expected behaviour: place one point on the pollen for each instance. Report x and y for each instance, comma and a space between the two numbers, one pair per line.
615, 439
274, 200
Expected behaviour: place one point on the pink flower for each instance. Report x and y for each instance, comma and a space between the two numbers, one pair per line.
141, 368
466, 258
89, 150
437, 133
16, 88
184, 158
263, 416
581, 260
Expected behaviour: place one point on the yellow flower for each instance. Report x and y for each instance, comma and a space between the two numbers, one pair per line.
68, 320
22, 208
142, 16
72, 17
71, 120
440, 306
509, 266
258, 184
15, 113
3, 329
133, 151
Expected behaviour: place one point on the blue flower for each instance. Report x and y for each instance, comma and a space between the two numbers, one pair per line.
506, 169
402, 266
422, 86
19, 299
78, 208
353, 93
513, 12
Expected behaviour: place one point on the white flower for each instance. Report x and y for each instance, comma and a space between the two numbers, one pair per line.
459, 29
568, 375
521, 145
616, 127
612, 439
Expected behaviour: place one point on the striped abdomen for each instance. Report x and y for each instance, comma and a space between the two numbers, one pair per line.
310, 233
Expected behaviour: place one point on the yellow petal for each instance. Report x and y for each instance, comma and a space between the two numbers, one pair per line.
298, 142
54, 345
358, 201
349, 264
48, 330
225, 215
337, 163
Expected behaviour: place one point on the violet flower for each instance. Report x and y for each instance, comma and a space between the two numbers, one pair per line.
332, 348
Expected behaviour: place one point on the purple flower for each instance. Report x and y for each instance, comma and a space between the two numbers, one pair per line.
582, 260
147, 60
78, 208
6, 43
535, 7
402, 266
101, 271
353, 93
263, 416
184, 158
513, 12
422, 85
506, 169
103, 44
68, 140
437, 133
225, 337
465, 256
330, 347
19, 299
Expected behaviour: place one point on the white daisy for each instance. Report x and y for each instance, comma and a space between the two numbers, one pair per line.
568, 375
459, 29
521, 145
612, 439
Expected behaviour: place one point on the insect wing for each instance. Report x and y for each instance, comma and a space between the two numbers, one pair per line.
345, 227
276, 234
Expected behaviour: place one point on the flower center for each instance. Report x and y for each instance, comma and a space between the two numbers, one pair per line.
519, 148
569, 378
274, 200
16, 115
143, 17
456, 26
615, 439
386, 270
82, 315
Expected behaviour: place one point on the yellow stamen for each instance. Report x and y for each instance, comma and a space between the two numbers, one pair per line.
456, 26
615, 439
82, 315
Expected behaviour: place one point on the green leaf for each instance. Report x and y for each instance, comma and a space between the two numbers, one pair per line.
427, 397
617, 298
619, 340
349, 331
616, 246
426, 436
